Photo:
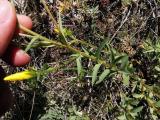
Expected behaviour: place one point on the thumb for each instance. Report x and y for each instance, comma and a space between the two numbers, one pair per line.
7, 24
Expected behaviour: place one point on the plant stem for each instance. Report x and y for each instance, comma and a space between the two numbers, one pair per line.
82, 42
58, 44
49, 12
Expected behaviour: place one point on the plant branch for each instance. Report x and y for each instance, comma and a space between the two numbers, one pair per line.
59, 44
49, 12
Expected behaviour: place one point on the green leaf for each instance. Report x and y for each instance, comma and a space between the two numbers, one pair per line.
158, 104
100, 48
138, 96
95, 72
124, 62
62, 35
67, 32
130, 69
137, 110
79, 65
154, 117
104, 74
85, 50
72, 118
42, 43
112, 57
134, 102
122, 117
157, 68
29, 46
125, 79
130, 117
152, 114
118, 59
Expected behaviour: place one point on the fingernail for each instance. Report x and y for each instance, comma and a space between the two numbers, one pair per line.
22, 53
5, 11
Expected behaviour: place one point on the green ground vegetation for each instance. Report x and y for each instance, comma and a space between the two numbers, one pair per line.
95, 60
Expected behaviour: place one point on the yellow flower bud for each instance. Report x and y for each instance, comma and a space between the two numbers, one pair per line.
24, 75
56, 30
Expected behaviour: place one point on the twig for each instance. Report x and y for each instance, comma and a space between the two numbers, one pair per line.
33, 100
49, 12
122, 23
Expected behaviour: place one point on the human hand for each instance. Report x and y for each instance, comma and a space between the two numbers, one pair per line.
9, 53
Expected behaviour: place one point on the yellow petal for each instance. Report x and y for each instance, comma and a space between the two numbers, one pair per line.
56, 30
20, 76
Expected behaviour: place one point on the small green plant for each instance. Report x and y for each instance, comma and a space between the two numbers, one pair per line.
53, 114
74, 114
97, 78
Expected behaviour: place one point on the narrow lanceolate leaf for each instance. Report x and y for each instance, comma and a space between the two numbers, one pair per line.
104, 74
29, 46
79, 65
63, 37
95, 72
124, 63
126, 79
24, 75
122, 117
137, 110
112, 57
158, 104
100, 48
